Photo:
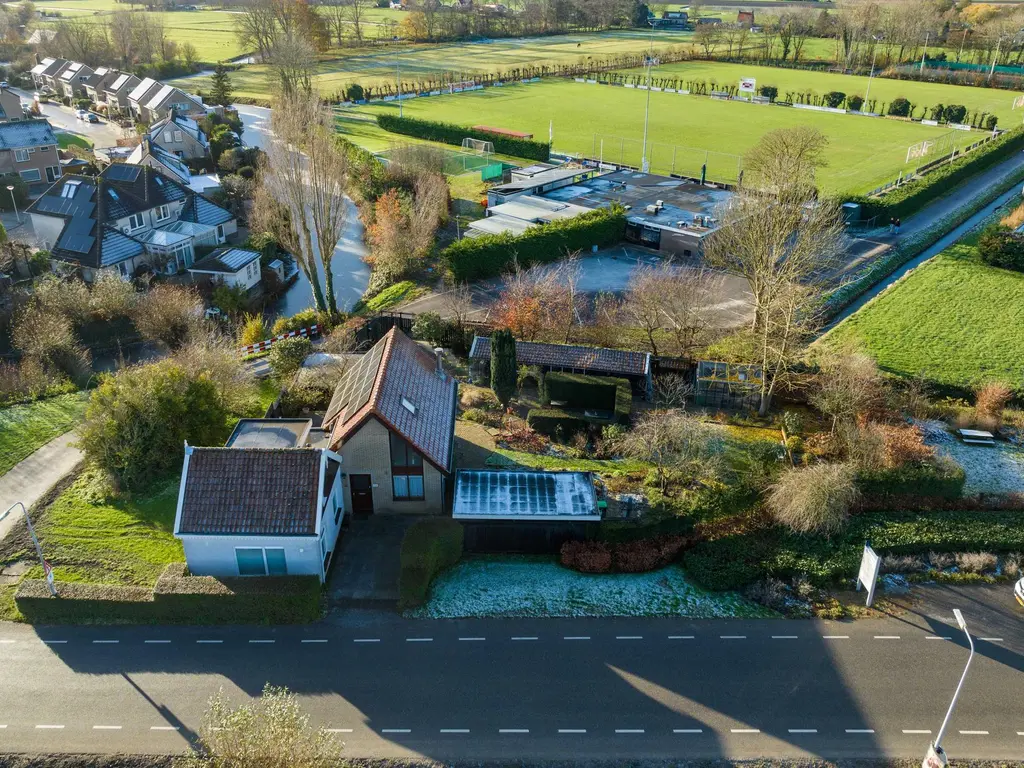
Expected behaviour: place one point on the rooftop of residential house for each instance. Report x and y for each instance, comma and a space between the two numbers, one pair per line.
26, 133
570, 357
181, 122
403, 385
226, 260
169, 160
270, 433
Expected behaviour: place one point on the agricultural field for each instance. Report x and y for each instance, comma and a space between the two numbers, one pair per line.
991, 100
863, 152
917, 327
372, 66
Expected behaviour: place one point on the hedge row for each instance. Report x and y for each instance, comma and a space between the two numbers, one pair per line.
913, 195
945, 481
450, 133
638, 556
732, 562
603, 393
429, 547
176, 599
477, 258
555, 423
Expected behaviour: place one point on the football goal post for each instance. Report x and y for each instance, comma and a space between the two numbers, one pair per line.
478, 146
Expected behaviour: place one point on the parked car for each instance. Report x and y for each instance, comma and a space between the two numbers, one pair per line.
4, 84
81, 114
1018, 591
93, 117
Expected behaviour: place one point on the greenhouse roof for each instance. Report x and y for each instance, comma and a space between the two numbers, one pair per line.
498, 495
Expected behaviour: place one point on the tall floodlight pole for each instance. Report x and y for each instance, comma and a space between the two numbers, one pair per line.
936, 758
398, 78
35, 541
962, 41
995, 58
644, 165
874, 53
924, 55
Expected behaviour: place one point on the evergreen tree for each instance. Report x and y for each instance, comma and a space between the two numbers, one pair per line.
220, 92
503, 366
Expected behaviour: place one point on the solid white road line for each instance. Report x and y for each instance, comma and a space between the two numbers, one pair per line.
629, 637
455, 730
576, 637
472, 639
784, 637
513, 730
49, 727
803, 730
262, 642
419, 639
860, 730
313, 641
396, 730
887, 637
629, 730
366, 640
680, 637
732, 637
910, 730
687, 730
974, 733
524, 638
745, 730
106, 727
572, 730
164, 727
937, 637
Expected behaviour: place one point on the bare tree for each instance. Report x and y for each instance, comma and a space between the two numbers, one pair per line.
257, 28
293, 62
688, 306
458, 304
848, 384
336, 17
356, 11
708, 37
671, 440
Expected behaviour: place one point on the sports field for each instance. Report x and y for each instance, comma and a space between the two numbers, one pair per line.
863, 152
991, 100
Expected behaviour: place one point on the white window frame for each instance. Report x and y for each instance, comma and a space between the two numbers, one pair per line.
161, 213
136, 217
266, 567
178, 137
27, 174
21, 155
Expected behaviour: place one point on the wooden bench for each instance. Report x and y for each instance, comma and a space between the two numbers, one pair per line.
976, 437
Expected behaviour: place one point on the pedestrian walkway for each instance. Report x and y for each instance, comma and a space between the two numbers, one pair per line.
30, 479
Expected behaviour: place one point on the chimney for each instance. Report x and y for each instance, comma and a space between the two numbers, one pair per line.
438, 355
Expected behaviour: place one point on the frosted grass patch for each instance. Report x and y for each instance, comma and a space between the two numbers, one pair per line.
997, 469
539, 586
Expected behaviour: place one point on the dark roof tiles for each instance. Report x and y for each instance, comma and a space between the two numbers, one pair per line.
570, 356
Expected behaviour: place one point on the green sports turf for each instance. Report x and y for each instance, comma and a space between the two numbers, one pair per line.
863, 152
953, 320
991, 100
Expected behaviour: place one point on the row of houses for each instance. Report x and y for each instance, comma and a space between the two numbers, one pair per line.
143, 99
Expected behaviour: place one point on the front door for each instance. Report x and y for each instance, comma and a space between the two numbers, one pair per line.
362, 494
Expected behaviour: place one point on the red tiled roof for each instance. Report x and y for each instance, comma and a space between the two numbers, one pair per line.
251, 491
600, 359
401, 370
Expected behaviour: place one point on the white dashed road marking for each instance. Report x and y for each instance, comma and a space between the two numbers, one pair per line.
163, 727
455, 730
314, 641
513, 730
733, 637
784, 637
992, 639
8, 642
629, 730
572, 730
974, 733
419, 639
576, 637
835, 637
472, 639
524, 638
936, 637
262, 642
908, 730
629, 637
339, 730
680, 637
396, 730
887, 637
106, 727
208, 642
744, 730
55, 642
156, 642
105, 642
687, 730
860, 730
803, 730
366, 640
49, 727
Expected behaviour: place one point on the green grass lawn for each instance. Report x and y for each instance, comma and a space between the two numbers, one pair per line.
991, 100
863, 152
393, 295
953, 320
25, 428
65, 140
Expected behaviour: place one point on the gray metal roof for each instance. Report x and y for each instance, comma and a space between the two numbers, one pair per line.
269, 433
506, 495
26, 133
226, 260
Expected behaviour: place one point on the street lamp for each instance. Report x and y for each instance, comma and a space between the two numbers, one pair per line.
14, 203
39, 550
936, 758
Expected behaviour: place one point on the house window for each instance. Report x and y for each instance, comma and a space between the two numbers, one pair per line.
162, 213
32, 174
21, 155
44, 149
136, 221
406, 470
259, 561
177, 136
220, 233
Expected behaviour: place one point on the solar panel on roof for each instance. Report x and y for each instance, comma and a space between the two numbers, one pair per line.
356, 385
77, 243
123, 172
506, 495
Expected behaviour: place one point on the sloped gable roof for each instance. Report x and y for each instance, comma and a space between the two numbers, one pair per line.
570, 356
203, 211
250, 491
397, 381
26, 133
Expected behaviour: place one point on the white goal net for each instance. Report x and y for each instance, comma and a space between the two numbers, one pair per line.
478, 146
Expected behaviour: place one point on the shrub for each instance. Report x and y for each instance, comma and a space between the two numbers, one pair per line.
954, 113
903, 564
941, 560
990, 401
286, 356
503, 366
903, 445
603, 393
976, 562
991, 122
449, 133
138, 420
480, 416
814, 499
941, 478
170, 314
633, 556
555, 424
771, 593
854, 103
476, 258
296, 322
899, 107
1000, 246
768, 90
49, 339
834, 99
429, 326
354, 92
429, 547
586, 556
253, 329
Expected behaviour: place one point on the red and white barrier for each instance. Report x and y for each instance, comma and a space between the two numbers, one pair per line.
263, 346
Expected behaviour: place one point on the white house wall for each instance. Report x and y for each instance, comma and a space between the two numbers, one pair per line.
215, 555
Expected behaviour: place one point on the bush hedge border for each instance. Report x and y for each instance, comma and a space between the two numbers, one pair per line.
451, 133
429, 547
623, 390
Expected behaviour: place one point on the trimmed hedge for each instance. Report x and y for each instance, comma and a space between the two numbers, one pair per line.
177, 598
450, 133
735, 561
944, 482
555, 423
477, 258
914, 195
637, 556
605, 393
429, 547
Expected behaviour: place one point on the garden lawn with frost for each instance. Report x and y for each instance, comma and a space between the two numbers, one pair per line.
996, 469
539, 586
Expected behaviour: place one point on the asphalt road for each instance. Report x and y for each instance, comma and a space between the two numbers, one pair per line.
102, 134
530, 689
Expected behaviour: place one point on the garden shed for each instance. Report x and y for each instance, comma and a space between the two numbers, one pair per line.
571, 358
524, 511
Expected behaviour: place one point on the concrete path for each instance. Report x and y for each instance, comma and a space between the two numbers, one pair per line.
28, 480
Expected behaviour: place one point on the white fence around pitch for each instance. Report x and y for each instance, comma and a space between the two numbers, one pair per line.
263, 346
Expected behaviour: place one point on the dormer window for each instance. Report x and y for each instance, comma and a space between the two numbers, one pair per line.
162, 213
136, 221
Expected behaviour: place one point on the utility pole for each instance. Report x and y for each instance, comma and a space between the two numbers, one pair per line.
935, 757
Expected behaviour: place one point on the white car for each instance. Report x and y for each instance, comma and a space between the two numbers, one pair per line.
1018, 591
81, 114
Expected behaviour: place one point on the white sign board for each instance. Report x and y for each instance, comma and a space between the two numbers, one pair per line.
868, 575
748, 85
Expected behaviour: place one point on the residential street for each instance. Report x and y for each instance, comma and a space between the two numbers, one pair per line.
534, 688
102, 134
